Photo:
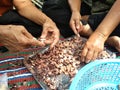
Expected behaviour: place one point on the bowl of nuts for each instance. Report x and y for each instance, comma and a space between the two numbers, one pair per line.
54, 69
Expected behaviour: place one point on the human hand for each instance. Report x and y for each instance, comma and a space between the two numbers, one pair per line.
92, 48
16, 38
50, 33
75, 22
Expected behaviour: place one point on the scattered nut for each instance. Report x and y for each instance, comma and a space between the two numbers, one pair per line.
63, 58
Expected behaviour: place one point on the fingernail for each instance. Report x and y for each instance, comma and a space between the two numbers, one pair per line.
34, 38
78, 34
77, 27
42, 40
87, 61
82, 59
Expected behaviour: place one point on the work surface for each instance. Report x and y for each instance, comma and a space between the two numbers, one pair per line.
19, 78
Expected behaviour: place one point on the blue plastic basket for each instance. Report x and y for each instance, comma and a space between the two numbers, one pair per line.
98, 75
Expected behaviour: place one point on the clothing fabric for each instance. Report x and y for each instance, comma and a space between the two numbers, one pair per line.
5, 5
99, 9
99, 6
95, 20
12, 17
60, 13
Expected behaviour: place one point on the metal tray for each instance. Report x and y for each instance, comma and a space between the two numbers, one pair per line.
64, 80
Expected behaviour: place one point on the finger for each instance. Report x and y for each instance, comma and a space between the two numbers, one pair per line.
56, 39
48, 41
95, 55
74, 28
30, 40
77, 24
81, 26
89, 56
36, 42
83, 54
44, 34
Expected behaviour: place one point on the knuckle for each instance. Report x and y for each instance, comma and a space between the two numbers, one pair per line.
88, 58
83, 54
21, 27
24, 42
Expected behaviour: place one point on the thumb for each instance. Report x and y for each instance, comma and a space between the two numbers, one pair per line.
36, 42
72, 25
77, 24
32, 40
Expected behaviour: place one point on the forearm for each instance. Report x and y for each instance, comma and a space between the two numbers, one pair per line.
28, 10
75, 5
111, 20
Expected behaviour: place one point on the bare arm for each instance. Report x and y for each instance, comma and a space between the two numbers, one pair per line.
111, 21
75, 23
16, 38
75, 5
27, 9
95, 43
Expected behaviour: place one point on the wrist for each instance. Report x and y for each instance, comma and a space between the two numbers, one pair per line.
75, 11
76, 14
49, 21
101, 34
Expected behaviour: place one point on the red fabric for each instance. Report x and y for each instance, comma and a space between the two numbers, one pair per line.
1, 44
5, 5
